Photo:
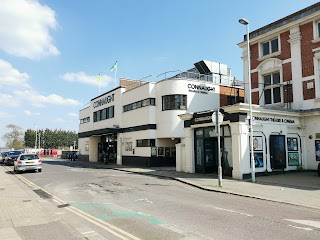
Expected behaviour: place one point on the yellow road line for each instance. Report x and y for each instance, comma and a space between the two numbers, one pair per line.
90, 218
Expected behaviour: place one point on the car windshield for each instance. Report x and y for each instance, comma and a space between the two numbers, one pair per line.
29, 157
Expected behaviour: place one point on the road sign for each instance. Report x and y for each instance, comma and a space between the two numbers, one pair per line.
214, 117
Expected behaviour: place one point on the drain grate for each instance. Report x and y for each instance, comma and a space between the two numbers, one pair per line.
42, 193
63, 205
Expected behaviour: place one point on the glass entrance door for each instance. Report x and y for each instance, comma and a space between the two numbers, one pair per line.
277, 152
211, 155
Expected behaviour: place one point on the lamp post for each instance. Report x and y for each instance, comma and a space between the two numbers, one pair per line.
253, 176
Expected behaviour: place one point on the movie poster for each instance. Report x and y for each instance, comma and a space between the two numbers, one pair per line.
257, 144
292, 144
293, 158
317, 150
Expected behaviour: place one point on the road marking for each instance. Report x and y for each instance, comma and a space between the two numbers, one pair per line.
232, 211
143, 200
310, 223
110, 228
307, 229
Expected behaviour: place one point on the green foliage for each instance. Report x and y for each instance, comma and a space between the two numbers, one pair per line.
50, 139
14, 138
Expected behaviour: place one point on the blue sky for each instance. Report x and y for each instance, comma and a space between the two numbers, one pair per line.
51, 51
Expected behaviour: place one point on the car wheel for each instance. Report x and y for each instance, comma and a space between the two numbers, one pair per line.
319, 170
39, 170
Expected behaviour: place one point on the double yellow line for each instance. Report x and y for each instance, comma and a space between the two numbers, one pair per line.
104, 225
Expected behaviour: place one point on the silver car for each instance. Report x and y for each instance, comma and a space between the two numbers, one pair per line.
27, 161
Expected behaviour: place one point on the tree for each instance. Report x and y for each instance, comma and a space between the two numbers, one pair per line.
14, 138
51, 139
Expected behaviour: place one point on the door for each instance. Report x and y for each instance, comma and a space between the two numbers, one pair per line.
211, 155
277, 152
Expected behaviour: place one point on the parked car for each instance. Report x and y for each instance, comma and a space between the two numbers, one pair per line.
27, 161
3, 156
12, 156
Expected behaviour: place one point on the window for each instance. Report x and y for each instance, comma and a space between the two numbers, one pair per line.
103, 114
146, 143
95, 116
139, 104
272, 91
174, 102
270, 47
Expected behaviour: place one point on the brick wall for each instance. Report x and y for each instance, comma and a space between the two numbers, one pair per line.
230, 91
287, 72
285, 46
255, 98
306, 49
287, 93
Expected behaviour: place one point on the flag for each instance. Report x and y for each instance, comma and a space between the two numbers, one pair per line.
99, 77
114, 66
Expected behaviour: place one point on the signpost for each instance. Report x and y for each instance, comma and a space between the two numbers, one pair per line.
217, 118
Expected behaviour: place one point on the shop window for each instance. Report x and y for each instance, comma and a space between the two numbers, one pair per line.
146, 143
272, 91
269, 47
174, 102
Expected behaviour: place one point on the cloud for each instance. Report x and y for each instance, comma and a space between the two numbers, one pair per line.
9, 76
82, 77
7, 100
5, 115
24, 29
39, 100
70, 114
29, 113
59, 120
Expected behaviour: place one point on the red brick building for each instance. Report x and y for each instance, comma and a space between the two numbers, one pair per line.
285, 59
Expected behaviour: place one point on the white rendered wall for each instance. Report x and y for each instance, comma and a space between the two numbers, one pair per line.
312, 124
169, 123
82, 145
93, 148
140, 116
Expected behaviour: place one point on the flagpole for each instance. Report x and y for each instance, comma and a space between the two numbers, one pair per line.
115, 75
99, 80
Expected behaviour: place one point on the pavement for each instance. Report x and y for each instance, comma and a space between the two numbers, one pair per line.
25, 215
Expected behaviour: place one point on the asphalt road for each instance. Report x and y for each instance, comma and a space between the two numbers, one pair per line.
110, 204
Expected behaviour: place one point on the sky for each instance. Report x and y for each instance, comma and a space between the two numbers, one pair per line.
52, 51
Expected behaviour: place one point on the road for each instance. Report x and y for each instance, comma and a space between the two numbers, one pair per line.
110, 204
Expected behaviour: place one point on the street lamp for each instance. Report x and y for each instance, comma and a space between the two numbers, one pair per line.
246, 23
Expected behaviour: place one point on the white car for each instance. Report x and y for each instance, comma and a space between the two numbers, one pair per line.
27, 161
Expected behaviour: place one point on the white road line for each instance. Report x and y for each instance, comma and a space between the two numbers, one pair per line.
232, 211
84, 215
307, 229
310, 223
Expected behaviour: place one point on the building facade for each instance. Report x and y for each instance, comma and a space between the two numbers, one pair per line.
285, 63
138, 123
